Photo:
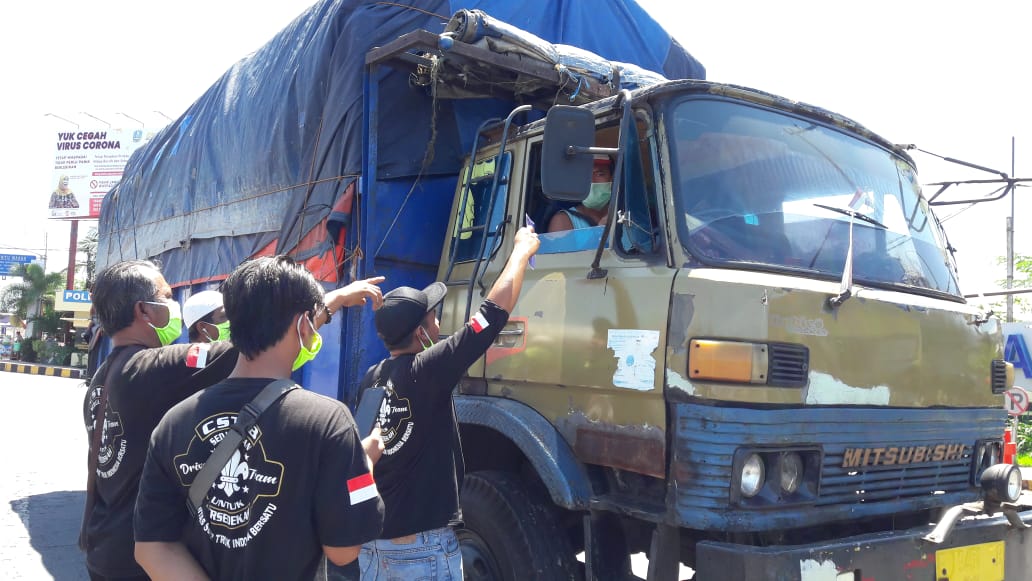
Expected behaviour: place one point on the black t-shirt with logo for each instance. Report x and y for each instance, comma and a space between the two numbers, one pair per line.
298, 481
421, 468
148, 384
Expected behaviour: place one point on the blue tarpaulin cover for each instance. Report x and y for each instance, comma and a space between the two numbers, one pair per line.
263, 159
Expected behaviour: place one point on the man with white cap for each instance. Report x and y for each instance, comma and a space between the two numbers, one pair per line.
421, 469
205, 318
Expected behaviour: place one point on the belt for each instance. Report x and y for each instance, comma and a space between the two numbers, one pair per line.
406, 540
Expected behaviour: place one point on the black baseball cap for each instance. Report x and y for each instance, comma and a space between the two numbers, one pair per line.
404, 309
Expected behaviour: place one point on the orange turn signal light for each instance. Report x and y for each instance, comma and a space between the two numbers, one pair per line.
735, 361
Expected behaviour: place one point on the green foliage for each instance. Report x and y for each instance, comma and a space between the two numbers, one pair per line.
29, 297
1022, 279
88, 246
1024, 460
51, 353
1024, 440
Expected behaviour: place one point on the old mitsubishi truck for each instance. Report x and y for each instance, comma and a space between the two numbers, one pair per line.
759, 364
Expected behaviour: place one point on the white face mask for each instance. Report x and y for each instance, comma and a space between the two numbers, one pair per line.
598, 195
428, 339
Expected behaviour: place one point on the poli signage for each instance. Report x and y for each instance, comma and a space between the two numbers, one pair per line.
73, 300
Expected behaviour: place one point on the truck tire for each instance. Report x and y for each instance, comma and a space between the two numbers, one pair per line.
510, 534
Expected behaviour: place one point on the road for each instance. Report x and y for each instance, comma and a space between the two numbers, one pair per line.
44, 477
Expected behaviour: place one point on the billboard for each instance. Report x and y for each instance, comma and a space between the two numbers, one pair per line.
9, 262
88, 163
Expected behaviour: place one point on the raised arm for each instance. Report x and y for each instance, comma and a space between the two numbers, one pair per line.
506, 289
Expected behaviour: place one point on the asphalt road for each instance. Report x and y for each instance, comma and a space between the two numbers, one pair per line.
44, 477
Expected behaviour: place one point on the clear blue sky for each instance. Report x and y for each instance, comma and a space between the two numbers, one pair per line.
946, 76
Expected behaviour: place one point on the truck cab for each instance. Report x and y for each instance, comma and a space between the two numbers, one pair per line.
759, 350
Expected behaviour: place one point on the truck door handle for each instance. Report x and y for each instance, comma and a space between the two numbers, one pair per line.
511, 331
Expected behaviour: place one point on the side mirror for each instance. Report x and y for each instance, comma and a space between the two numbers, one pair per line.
566, 177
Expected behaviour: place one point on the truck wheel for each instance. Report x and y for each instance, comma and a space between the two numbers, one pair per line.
509, 533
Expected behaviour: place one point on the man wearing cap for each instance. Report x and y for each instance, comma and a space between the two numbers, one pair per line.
421, 469
594, 209
205, 317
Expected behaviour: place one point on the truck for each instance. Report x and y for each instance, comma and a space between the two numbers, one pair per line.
760, 366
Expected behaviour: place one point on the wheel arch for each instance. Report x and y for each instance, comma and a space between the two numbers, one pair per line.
527, 432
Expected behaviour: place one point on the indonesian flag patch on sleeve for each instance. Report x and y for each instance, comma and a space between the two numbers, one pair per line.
197, 355
479, 322
362, 488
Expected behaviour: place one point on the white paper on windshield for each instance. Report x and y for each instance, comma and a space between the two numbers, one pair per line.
635, 366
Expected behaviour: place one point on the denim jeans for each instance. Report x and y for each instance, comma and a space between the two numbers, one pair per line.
432, 556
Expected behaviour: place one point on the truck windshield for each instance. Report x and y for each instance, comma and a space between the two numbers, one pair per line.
760, 187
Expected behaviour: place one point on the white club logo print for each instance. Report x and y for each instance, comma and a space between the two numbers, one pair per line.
241, 500
233, 475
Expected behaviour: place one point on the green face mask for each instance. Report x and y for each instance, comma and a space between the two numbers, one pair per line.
223, 335
174, 328
598, 195
306, 354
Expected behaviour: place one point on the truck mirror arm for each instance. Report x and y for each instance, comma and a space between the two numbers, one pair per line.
628, 117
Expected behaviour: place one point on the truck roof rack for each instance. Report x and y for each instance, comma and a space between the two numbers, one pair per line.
457, 70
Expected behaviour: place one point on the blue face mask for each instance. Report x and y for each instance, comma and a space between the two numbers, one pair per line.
598, 195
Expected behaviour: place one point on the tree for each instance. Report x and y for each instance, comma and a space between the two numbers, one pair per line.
1022, 279
88, 246
26, 299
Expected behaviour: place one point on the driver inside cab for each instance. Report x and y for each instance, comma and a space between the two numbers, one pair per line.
594, 209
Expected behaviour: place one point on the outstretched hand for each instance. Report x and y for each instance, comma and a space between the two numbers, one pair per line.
357, 293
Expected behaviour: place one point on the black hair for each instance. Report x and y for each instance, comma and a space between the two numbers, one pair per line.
262, 296
118, 288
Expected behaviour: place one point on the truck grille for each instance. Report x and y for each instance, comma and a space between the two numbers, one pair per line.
788, 364
706, 438
999, 375
841, 485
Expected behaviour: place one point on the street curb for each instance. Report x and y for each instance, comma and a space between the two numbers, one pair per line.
33, 369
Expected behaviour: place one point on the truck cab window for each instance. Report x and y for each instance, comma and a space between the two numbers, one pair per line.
584, 225
473, 224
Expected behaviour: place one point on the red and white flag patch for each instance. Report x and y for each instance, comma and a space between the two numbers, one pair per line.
362, 488
197, 355
479, 322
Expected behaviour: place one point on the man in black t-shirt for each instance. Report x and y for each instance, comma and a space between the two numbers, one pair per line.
139, 381
299, 485
421, 469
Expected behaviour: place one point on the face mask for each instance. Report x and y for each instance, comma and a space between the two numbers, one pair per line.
428, 339
174, 328
598, 195
223, 332
306, 354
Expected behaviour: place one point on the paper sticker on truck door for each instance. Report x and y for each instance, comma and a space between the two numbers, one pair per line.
635, 366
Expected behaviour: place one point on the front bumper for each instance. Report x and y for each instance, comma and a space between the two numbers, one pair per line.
903, 555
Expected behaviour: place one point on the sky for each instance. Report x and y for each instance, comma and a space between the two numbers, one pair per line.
945, 76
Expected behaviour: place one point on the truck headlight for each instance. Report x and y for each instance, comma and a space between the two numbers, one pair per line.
752, 475
791, 472
1002, 483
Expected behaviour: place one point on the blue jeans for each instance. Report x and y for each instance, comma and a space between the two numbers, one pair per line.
431, 556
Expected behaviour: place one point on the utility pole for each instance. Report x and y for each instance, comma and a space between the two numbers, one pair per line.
72, 242
1010, 245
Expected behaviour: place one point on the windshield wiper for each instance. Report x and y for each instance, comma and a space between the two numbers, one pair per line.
855, 214
846, 288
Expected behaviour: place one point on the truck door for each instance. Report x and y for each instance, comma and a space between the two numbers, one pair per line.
587, 353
